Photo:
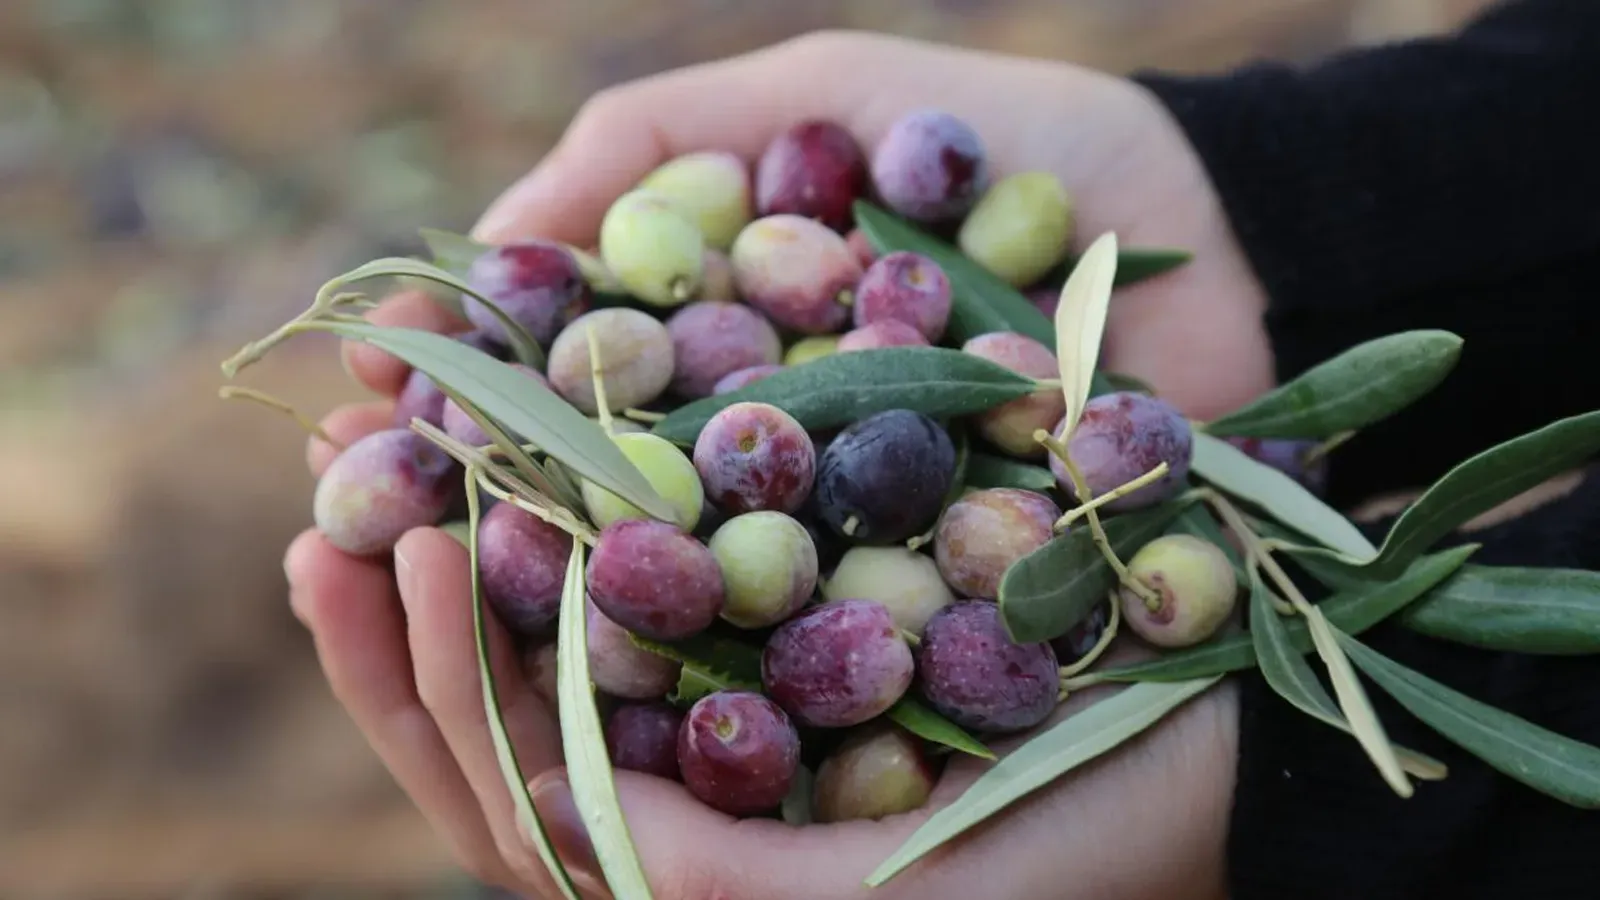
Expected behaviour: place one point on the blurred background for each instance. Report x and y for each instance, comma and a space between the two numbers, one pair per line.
177, 177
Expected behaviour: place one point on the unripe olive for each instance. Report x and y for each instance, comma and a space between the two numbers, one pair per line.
1195, 588
878, 770
654, 251
807, 349
665, 467
905, 582
1020, 228
711, 188
636, 359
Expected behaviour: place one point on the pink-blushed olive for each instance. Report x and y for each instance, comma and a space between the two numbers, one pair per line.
930, 167
983, 533
904, 287
1120, 437
813, 169
738, 752
522, 564
712, 339
797, 271
1011, 426
382, 486
1195, 591
654, 580
887, 333
622, 668
837, 664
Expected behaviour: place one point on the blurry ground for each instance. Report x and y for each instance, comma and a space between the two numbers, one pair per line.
177, 176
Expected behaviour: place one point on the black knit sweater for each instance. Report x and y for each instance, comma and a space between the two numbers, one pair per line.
1443, 183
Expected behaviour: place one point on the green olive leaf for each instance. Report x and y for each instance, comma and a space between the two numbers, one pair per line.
1482, 483
455, 254
715, 662
583, 744
979, 302
1287, 672
711, 662
526, 349
1044, 594
1360, 386
1046, 756
461, 530
522, 404
845, 387
510, 768
986, 470
1134, 264
1234, 472
1081, 324
930, 726
1512, 609
1116, 381
1548, 762
1353, 611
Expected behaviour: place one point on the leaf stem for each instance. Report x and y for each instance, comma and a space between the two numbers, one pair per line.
1121, 490
1259, 554
1098, 531
597, 373
508, 489
1326, 447
235, 392
1095, 652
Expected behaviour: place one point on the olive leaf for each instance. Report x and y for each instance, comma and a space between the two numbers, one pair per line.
1234, 472
455, 254
930, 726
1046, 756
583, 744
1360, 386
1355, 703
1353, 611
711, 662
979, 302
519, 402
523, 346
714, 662
1288, 673
1548, 762
1081, 324
461, 530
510, 769
985, 470
845, 387
1514, 609
1134, 264
1482, 483
1044, 594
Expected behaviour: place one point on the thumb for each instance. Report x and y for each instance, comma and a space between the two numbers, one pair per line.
736, 105
690, 850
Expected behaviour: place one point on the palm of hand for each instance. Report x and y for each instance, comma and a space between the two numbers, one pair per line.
1146, 822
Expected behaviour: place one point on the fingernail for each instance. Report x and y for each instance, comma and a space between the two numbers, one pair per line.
403, 577
552, 798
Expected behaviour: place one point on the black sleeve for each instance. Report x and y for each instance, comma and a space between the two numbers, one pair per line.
1312, 819
1447, 183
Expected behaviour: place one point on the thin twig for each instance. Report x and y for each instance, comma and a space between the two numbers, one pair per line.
1097, 530
598, 375
1121, 490
1099, 648
236, 392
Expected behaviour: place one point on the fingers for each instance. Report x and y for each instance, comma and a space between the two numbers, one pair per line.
736, 105
377, 370
347, 424
690, 850
435, 589
351, 609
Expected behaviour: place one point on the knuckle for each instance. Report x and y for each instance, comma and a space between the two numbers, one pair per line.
827, 46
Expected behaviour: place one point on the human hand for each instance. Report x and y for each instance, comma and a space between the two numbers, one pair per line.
1147, 821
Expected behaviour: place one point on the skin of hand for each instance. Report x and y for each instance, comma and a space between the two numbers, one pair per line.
1149, 820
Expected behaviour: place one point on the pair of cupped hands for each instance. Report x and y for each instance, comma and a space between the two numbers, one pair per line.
1149, 820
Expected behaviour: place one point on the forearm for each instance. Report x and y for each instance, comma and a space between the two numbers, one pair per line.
1442, 183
